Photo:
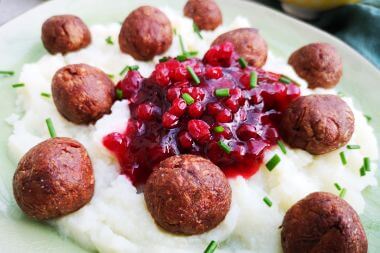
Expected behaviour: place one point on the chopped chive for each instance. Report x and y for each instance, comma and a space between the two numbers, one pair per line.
192, 53
193, 75
343, 193
218, 129
369, 118
273, 162
362, 171
164, 59
253, 79
243, 63
211, 247
224, 146
223, 92
7, 72
175, 31
119, 94
188, 99
128, 68
45, 94
112, 76
267, 201
353, 146
18, 85
341, 94
109, 40
285, 79
181, 57
343, 158
181, 44
282, 147
337, 186
197, 31
50, 127
367, 164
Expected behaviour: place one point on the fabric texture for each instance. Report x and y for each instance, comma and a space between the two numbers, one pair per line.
356, 24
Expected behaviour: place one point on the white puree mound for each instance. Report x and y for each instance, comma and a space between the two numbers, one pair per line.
117, 220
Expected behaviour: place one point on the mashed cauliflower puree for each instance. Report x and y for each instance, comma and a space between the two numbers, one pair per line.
117, 220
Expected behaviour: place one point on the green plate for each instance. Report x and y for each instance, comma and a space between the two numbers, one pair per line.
20, 43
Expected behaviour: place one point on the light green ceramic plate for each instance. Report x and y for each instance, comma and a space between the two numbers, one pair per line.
20, 43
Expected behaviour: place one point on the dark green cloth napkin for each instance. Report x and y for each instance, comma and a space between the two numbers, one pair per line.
357, 24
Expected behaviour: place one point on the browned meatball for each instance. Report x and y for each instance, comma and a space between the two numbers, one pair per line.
82, 94
53, 179
319, 64
187, 194
322, 223
317, 123
145, 33
247, 43
65, 33
205, 13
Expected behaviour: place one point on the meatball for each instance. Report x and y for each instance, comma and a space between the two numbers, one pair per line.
319, 64
145, 33
317, 123
53, 179
247, 43
205, 13
322, 222
82, 94
65, 33
187, 194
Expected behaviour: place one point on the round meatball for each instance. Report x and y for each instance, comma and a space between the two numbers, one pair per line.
247, 43
145, 33
82, 94
187, 194
322, 222
317, 123
205, 13
65, 33
319, 64
53, 179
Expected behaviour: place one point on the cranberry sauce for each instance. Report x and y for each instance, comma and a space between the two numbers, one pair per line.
228, 115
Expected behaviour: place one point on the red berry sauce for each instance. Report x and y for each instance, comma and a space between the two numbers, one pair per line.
164, 122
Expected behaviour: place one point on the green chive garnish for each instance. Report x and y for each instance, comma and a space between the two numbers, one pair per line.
6, 73
119, 94
353, 146
109, 40
282, 147
164, 59
175, 31
267, 201
193, 75
192, 53
253, 79
197, 31
50, 127
243, 63
211, 247
128, 68
343, 193
112, 76
343, 158
223, 92
285, 79
45, 94
341, 94
367, 164
188, 99
218, 129
362, 171
224, 146
272, 163
369, 118
338, 187
181, 44
18, 85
